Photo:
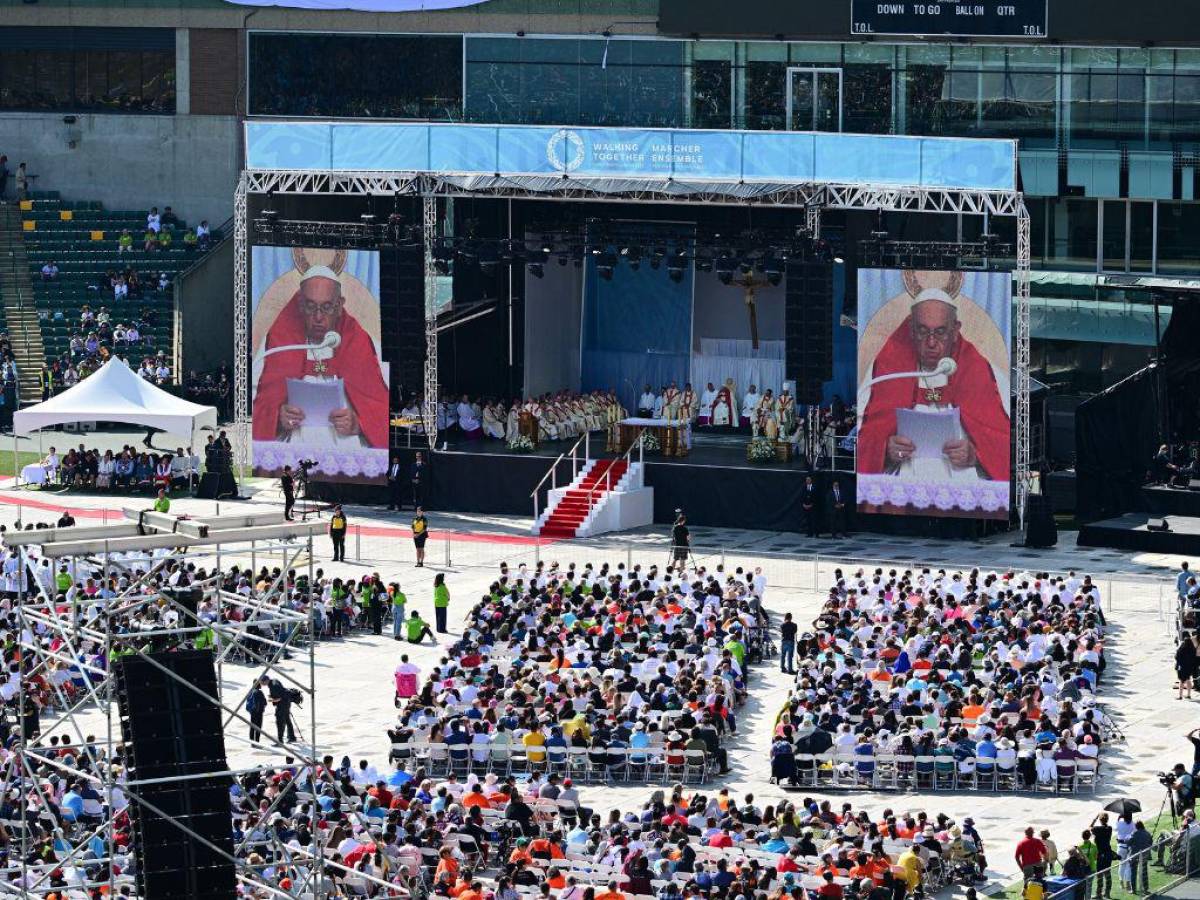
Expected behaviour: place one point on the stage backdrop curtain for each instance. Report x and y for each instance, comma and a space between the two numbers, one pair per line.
736, 358
637, 330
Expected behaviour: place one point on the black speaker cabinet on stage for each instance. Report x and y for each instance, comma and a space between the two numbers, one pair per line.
1040, 527
217, 486
170, 731
808, 327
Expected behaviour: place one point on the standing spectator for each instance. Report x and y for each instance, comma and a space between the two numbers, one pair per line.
393, 478
420, 533
1031, 856
787, 645
1102, 835
337, 533
203, 234
417, 477
1139, 857
441, 601
837, 510
22, 183
3, 177
50, 271
1181, 580
288, 484
256, 705
1185, 664
1124, 831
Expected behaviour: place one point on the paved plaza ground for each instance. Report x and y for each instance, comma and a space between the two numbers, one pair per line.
354, 676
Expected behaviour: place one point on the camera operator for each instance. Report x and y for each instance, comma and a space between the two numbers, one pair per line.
288, 484
282, 699
681, 539
1180, 783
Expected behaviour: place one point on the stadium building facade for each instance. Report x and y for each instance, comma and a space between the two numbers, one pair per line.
138, 102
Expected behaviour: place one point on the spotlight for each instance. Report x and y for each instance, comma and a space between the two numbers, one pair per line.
746, 266
368, 219
562, 259
537, 270
773, 269
676, 265
605, 263
704, 263
724, 269
726, 277
656, 257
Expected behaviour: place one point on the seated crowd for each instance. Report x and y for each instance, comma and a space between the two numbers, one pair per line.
96, 341
607, 673
560, 416
127, 469
948, 680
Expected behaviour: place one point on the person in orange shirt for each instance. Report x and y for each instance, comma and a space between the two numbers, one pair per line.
447, 865
610, 893
521, 852
473, 892
475, 797
555, 879
544, 848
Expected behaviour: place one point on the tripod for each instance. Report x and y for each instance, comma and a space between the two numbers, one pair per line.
306, 508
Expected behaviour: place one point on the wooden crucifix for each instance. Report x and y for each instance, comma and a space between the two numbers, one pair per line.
748, 283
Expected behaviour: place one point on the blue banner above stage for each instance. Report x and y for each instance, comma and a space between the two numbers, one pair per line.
701, 156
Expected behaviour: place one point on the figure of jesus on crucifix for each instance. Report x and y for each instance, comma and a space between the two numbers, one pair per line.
749, 284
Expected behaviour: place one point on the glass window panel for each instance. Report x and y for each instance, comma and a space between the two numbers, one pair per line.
815, 54
158, 89
1037, 230
867, 99
97, 79
923, 97
1071, 229
1178, 249
1048, 58
1141, 236
712, 94
966, 57
1113, 251
869, 53
493, 80
722, 50
411, 76
1187, 59
1019, 104
124, 78
52, 74
1094, 57
1134, 58
761, 51
932, 54
766, 106
17, 84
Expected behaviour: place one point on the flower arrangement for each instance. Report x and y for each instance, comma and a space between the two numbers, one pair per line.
650, 442
520, 444
760, 450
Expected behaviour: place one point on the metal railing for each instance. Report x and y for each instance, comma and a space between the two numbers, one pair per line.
552, 472
627, 456
1173, 857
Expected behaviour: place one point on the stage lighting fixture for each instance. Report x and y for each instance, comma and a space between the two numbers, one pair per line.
562, 259
724, 268
773, 270
368, 219
746, 266
726, 277
537, 270
704, 264
441, 266
605, 263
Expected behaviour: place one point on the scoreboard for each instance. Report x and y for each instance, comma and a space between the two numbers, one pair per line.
983, 18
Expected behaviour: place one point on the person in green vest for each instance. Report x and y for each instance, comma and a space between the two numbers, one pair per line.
398, 603
165, 239
125, 242
189, 239
63, 580
735, 646
441, 601
206, 640
416, 628
163, 503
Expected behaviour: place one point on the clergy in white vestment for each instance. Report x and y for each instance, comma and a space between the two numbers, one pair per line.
750, 405
706, 404
660, 405
687, 403
724, 407
671, 399
493, 421
468, 421
513, 422
646, 403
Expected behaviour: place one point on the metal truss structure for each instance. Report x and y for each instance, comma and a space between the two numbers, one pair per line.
810, 197
429, 408
57, 636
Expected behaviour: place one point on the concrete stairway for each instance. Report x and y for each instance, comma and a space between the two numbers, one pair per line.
20, 309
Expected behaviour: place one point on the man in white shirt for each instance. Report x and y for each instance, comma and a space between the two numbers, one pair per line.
659, 405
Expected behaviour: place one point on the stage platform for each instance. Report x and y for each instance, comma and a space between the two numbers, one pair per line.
1172, 501
1130, 532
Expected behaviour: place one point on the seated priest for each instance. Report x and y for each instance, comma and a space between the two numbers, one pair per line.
468, 419
749, 406
930, 333
493, 420
724, 409
351, 367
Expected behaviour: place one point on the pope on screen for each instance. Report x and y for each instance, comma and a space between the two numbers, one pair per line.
930, 333
316, 309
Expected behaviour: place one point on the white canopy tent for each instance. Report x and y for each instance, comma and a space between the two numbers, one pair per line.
115, 393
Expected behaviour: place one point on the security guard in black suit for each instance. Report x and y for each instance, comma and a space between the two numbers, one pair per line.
810, 503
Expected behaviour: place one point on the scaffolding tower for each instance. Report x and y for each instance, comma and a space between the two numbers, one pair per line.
82, 636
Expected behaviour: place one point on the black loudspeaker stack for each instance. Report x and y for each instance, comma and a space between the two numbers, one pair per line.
808, 327
1040, 527
171, 732
217, 486
402, 317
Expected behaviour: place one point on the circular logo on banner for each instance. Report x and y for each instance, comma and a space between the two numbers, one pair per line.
565, 150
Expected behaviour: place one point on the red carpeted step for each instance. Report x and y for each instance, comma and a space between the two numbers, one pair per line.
565, 519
